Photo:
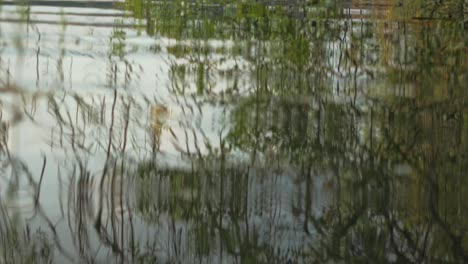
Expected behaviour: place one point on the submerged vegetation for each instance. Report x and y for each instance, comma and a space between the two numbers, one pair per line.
233, 131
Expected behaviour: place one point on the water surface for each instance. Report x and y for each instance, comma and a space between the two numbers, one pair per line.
233, 132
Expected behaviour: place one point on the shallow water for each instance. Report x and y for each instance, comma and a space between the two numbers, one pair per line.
233, 132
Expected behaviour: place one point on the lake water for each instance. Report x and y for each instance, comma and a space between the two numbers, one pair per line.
234, 131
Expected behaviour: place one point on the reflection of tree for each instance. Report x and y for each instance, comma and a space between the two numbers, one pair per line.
397, 163
19, 242
230, 212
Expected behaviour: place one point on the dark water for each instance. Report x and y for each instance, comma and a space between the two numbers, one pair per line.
234, 132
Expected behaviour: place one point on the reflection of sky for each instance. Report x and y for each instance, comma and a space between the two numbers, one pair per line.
87, 70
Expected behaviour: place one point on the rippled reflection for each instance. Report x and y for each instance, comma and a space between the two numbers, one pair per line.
233, 132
